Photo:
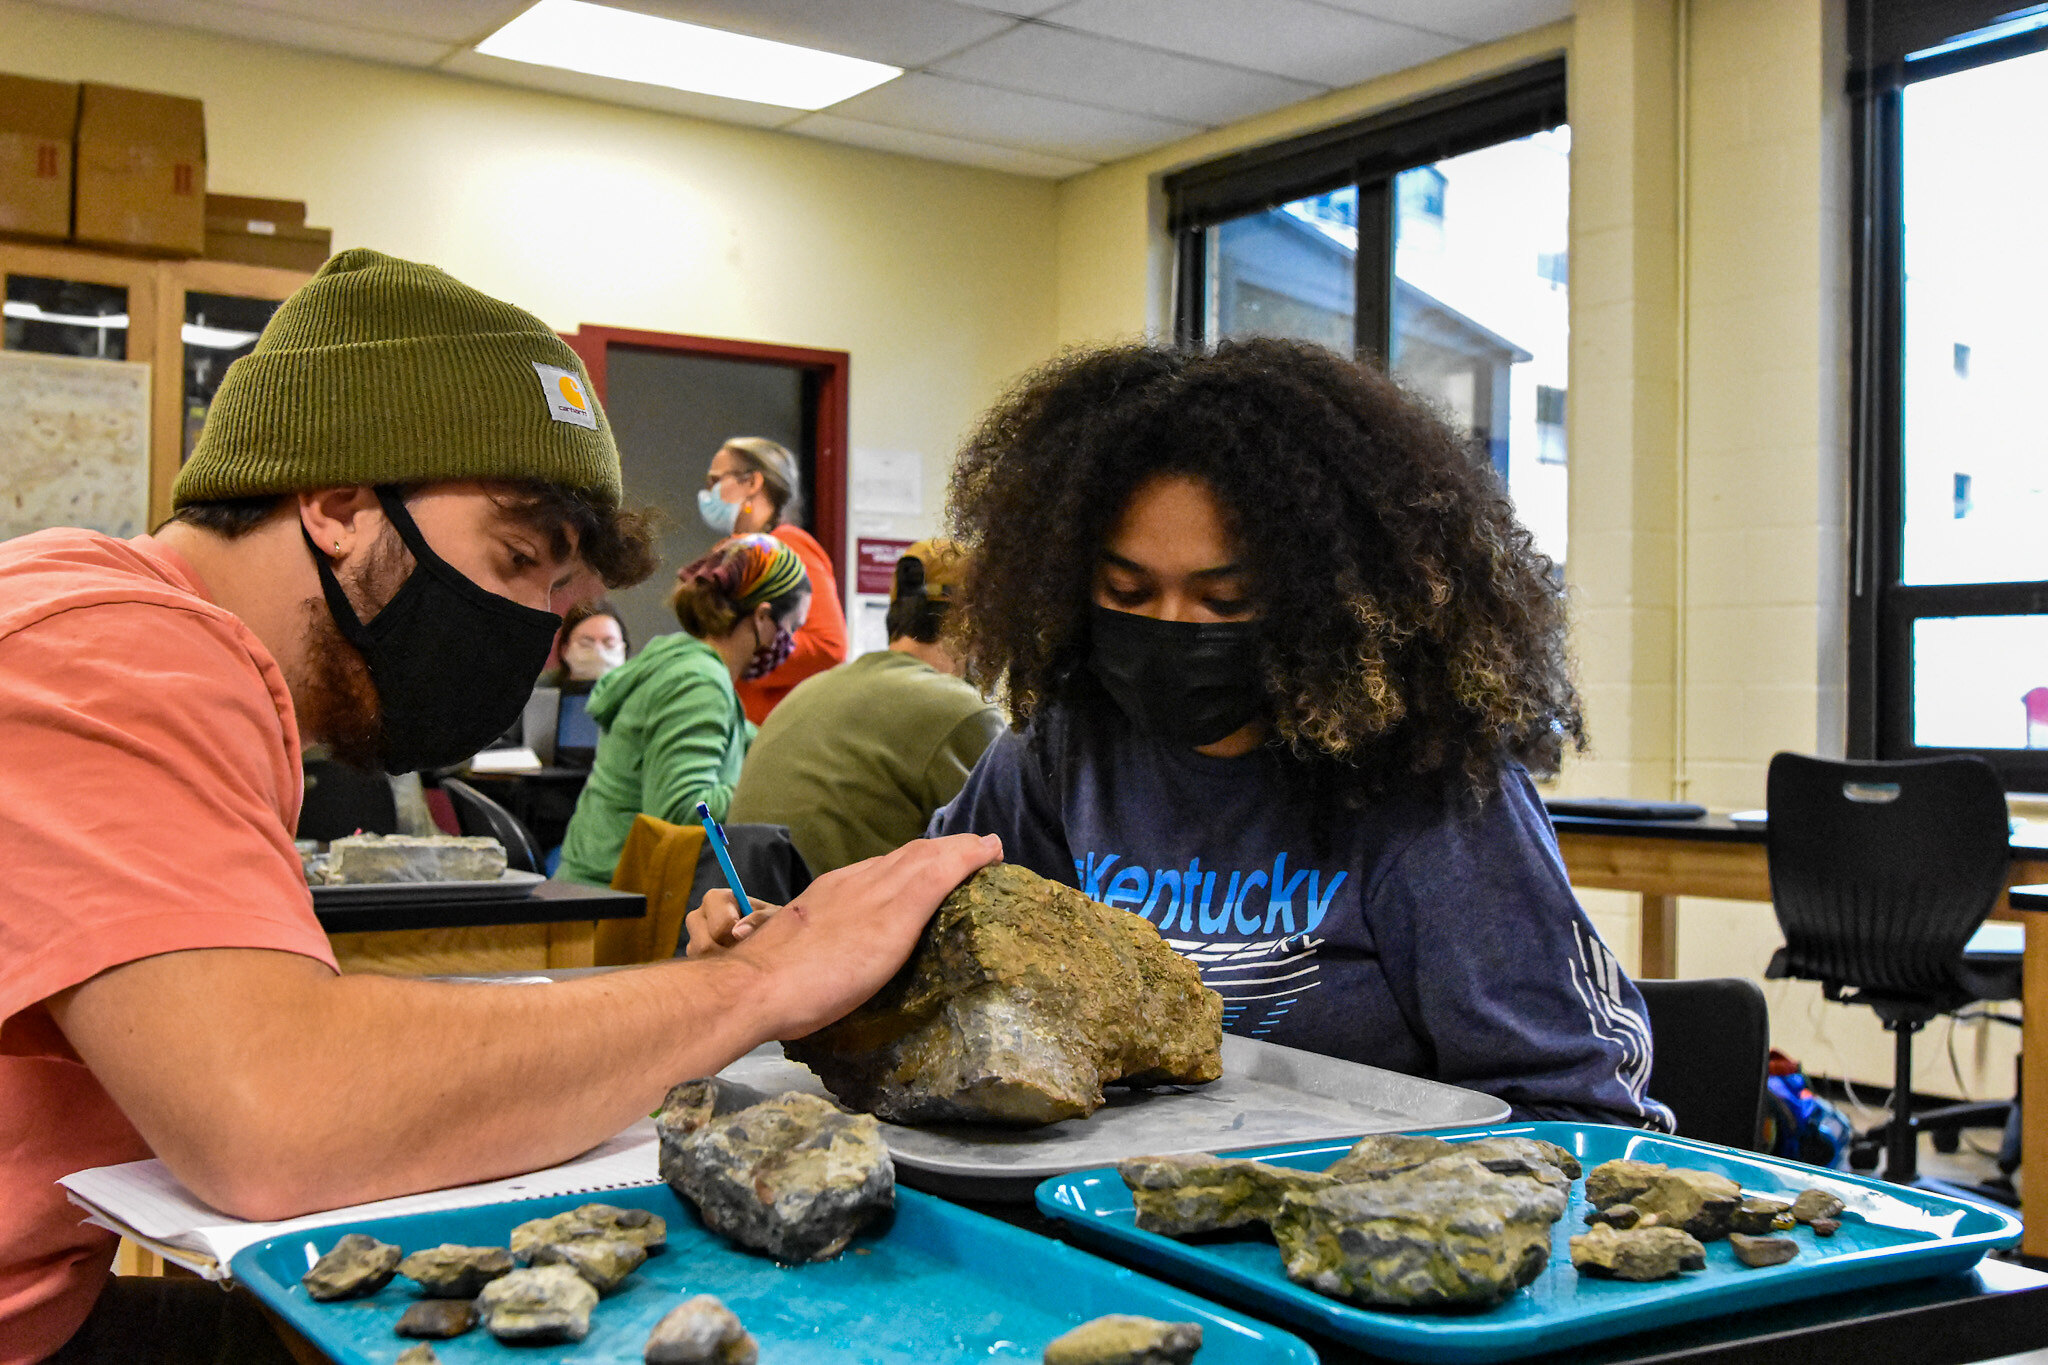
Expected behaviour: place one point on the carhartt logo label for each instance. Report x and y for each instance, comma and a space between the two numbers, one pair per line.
567, 401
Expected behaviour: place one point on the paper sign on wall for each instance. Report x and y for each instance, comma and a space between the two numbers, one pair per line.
874, 563
890, 482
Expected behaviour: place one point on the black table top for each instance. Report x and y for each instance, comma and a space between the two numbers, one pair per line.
547, 774
1995, 1310
545, 903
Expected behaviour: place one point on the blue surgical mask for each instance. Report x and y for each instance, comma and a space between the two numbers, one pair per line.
718, 514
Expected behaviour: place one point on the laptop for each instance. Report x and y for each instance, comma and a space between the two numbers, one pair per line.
575, 732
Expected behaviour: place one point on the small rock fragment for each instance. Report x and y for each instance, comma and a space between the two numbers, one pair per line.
421, 1354
592, 1223
1762, 1251
686, 1108
455, 1272
541, 1304
356, 1265
1698, 1201
1758, 1214
1616, 1215
1125, 1339
794, 1177
702, 1331
1812, 1204
606, 1264
438, 1318
1826, 1227
1637, 1253
1179, 1195
1619, 1182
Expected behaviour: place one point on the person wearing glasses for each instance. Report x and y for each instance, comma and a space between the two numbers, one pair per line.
753, 486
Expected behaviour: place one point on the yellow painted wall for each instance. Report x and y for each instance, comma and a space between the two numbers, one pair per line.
1708, 418
937, 278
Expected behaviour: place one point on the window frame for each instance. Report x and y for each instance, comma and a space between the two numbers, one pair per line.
1367, 152
1895, 48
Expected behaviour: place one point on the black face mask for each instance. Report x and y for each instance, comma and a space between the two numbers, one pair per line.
1189, 682
453, 662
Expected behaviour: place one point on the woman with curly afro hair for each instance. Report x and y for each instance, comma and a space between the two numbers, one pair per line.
1281, 658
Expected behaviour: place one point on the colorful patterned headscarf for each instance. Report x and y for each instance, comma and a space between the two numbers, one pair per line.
748, 570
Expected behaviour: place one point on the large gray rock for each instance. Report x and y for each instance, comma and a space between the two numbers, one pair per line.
1181, 1195
794, 1177
1447, 1233
540, 1305
356, 1265
414, 858
1021, 1001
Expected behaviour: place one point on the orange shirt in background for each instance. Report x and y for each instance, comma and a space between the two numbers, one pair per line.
819, 645
149, 786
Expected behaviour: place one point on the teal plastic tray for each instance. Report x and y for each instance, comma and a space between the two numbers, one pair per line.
1889, 1233
941, 1283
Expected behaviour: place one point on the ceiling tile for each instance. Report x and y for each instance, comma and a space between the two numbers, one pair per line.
467, 63
1004, 118
935, 148
906, 33
1042, 60
1478, 21
1023, 9
444, 21
1293, 38
260, 26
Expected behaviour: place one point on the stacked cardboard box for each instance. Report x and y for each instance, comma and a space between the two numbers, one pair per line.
38, 122
141, 171
264, 232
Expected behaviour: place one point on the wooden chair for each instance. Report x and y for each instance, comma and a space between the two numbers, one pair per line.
659, 861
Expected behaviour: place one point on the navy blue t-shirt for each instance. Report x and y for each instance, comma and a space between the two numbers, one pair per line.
1409, 934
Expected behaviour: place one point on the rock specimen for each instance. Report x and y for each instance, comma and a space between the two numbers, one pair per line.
1810, 1205
702, 1331
1180, 1195
1125, 1339
438, 1318
1611, 1253
455, 1272
1449, 1232
414, 858
1700, 1202
1383, 1154
1616, 1215
592, 1223
604, 1263
1619, 1182
356, 1265
1762, 1251
1826, 1227
1517, 1155
794, 1177
421, 1354
540, 1305
1021, 1001
1760, 1214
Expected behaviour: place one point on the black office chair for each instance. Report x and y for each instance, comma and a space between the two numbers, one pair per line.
1880, 874
341, 801
476, 813
1710, 1042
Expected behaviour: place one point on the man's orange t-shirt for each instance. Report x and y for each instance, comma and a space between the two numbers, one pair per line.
149, 786
820, 645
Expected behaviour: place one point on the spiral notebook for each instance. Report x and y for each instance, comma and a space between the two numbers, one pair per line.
143, 1201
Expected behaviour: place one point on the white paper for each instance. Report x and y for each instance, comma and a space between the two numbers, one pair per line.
868, 624
519, 760
144, 1196
888, 483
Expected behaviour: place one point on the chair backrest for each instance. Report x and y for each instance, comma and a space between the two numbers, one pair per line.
341, 800
659, 861
1881, 871
1710, 1041
479, 814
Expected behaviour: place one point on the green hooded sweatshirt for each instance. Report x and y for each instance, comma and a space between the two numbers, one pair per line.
674, 734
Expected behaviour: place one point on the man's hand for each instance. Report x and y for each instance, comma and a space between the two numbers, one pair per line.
835, 945
716, 924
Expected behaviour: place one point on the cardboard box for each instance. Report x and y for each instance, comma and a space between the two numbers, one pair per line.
262, 242
282, 213
38, 121
141, 171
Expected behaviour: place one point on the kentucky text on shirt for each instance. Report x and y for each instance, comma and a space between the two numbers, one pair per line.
1191, 892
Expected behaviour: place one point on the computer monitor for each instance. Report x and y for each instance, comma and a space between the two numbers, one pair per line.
575, 732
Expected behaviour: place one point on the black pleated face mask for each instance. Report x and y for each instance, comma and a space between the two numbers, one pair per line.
453, 662
1188, 682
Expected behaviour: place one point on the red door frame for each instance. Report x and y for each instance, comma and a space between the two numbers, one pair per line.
830, 368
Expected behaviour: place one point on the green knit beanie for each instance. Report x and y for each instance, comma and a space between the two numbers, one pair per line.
383, 371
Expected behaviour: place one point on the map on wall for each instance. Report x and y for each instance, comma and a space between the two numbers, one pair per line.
74, 444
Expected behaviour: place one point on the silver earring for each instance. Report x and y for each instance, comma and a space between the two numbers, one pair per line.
337, 547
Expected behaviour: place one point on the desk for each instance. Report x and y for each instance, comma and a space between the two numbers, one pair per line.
555, 925
1661, 860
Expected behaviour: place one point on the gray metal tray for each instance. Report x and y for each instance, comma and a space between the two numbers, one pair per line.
1268, 1095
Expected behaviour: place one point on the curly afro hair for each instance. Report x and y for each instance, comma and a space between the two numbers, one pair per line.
1413, 635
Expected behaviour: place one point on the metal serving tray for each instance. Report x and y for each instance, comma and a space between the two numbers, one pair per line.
1889, 1233
511, 884
1268, 1094
939, 1284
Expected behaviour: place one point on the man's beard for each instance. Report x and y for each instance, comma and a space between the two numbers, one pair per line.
338, 706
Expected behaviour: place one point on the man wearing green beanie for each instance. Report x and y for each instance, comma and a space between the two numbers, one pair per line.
391, 499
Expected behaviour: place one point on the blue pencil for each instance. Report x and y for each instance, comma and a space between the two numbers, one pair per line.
715, 835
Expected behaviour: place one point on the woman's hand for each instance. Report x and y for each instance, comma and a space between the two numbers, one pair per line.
717, 924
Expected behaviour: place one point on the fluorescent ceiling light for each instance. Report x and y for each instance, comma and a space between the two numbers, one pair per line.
29, 312
215, 338
598, 40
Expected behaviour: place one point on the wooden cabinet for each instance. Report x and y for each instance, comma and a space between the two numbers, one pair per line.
186, 319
